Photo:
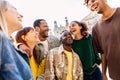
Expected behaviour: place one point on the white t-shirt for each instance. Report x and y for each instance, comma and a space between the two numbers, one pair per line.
45, 44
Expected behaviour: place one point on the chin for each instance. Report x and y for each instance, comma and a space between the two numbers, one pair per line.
99, 12
45, 36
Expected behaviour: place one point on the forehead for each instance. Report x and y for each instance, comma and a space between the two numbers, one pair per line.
72, 23
43, 22
90, 1
65, 33
10, 7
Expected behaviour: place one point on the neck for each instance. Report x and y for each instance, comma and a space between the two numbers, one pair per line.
41, 38
67, 48
108, 13
9, 32
78, 36
31, 46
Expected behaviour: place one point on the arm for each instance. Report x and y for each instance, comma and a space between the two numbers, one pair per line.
24, 48
98, 49
49, 67
80, 69
104, 66
97, 60
7, 62
41, 67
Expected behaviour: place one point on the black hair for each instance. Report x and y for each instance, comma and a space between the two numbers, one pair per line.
86, 2
37, 22
62, 35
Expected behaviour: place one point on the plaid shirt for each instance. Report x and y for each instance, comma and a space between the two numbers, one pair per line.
57, 65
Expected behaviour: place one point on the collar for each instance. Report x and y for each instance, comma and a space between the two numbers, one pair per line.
61, 49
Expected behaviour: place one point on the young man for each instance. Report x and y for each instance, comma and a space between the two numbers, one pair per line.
47, 42
106, 36
63, 63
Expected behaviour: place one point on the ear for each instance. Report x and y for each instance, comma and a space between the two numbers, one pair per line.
23, 37
80, 27
37, 29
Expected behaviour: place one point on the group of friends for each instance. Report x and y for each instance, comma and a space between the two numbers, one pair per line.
75, 56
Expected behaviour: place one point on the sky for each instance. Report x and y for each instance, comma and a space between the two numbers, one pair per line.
52, 10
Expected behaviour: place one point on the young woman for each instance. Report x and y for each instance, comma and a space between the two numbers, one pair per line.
83, 46
29, 37
12, 64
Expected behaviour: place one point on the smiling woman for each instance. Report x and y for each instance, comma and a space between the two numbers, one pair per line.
12, 64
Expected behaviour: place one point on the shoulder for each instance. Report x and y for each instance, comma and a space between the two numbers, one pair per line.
3, 38
54, 50
53, 53
2, 35
118, 8
117, 12
75, 55
96, 25
95, 28
90, 36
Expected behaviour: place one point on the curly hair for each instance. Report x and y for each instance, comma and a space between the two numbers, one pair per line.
84, 26
86, 2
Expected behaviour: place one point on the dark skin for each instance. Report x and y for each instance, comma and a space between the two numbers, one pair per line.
42, 29
101, 7
67, 40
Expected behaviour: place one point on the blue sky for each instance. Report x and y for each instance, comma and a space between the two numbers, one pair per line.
51, 10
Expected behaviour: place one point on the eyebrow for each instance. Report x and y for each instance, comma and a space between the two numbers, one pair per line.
13, 7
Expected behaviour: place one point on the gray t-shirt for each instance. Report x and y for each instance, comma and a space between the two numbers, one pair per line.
106, 39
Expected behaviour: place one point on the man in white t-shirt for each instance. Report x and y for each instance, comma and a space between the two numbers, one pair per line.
42, 28
46, 42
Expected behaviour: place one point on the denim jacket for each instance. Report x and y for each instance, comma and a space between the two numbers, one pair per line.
12, 64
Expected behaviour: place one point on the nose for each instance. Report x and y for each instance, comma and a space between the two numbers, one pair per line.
92, 6
68, 35
48, 28
21, 15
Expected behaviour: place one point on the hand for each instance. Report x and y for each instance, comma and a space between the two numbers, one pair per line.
85, 33
104, 77
26, 49
95, 65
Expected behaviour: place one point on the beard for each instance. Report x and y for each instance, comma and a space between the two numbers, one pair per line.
43, 34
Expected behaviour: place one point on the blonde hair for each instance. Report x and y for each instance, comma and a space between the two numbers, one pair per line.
3, 24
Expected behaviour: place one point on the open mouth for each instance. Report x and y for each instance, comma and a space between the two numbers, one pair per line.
69, 39
95, 7
72, 31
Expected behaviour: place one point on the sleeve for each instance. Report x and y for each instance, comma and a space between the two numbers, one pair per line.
80, 69
98, 59
96, 42
0, 50
41, 68
49, 67
8, 68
